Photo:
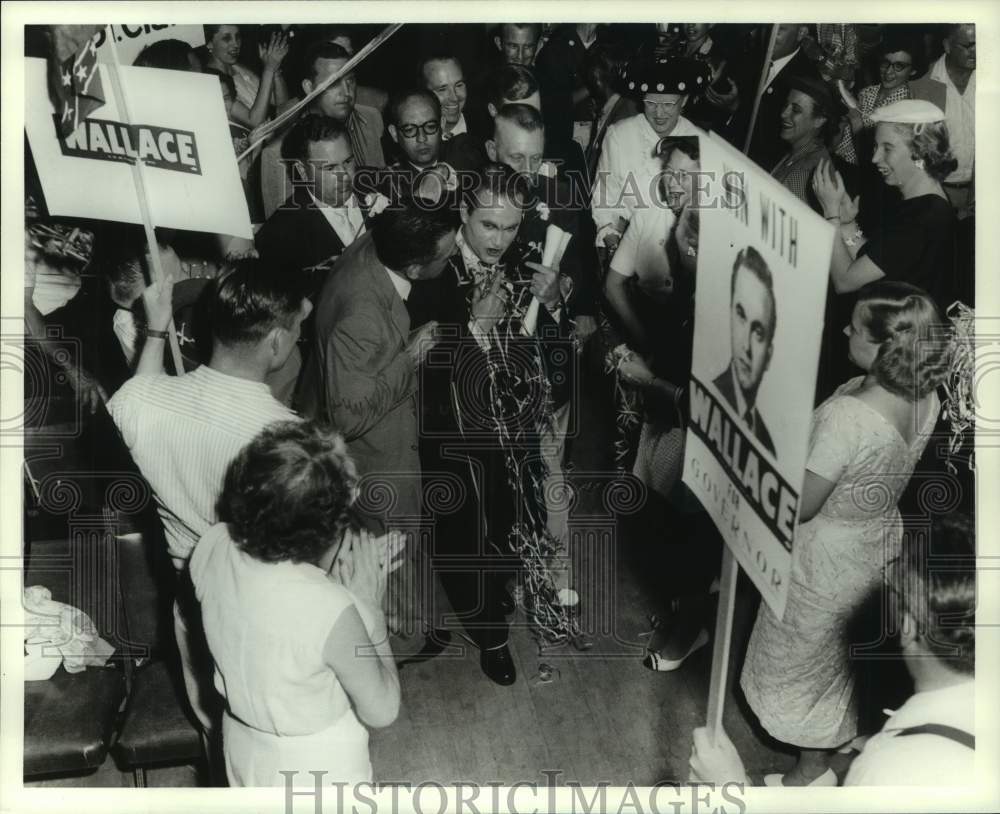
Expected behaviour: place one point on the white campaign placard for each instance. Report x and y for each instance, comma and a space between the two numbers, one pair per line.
131, 39
179, 128
763, 267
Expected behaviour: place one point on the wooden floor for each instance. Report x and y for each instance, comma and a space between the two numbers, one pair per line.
602, 717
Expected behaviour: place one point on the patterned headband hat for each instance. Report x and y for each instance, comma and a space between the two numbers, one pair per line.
679, 75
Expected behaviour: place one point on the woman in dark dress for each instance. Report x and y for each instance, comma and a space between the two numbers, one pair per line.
916, 242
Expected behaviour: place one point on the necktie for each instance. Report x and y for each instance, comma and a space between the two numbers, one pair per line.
748, 418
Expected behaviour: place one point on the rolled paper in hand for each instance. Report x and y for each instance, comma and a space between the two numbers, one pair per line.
556, 241
846, 95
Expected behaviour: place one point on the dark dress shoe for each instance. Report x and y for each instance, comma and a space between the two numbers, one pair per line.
498, 665
507, 604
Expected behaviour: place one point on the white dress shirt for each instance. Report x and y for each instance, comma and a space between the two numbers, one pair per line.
345, 220
183, 432
960, 115
459, 128
401, 284
924, 759
776, 65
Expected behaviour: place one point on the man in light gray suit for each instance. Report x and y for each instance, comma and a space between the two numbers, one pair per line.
365, 375
367, 361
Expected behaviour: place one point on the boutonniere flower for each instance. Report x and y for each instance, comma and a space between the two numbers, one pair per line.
376, 202
543, 210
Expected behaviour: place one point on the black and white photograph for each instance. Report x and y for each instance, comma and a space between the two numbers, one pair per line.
406, 408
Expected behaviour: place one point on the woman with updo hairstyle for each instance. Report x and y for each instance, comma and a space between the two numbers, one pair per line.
255, 95
291, 601
916, 241
864, 444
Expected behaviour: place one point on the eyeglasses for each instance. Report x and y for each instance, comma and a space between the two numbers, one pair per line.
896, 67
666, 107
428, 128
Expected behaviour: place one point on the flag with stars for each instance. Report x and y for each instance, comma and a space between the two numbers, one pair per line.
76, 82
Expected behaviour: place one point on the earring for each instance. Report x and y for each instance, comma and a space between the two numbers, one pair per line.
919, 163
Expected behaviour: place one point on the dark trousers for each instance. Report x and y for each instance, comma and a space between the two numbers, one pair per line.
470, 511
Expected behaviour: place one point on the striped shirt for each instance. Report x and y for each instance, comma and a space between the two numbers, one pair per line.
183, 432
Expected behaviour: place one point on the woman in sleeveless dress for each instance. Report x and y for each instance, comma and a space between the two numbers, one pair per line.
291, 605
864, 444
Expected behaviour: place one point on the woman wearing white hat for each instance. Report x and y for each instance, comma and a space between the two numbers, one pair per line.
916, 241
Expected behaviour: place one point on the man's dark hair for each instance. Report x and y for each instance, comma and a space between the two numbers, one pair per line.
524, 116
308, 129
400, 98
512, 82
286, 495
170, 55
317, 51
329, 33
750, 259
224, 79
497, 180
249, 300
938, 587
536, 28
407, 234
437, 55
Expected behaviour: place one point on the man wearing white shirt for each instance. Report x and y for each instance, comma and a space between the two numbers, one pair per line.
183, 431
629, 167
957, 70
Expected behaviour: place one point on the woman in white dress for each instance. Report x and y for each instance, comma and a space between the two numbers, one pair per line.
865, 441
291, 605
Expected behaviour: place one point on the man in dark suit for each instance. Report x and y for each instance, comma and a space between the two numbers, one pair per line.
482, 397
441, 73
787, 59
322, 216
752, 319
415, 129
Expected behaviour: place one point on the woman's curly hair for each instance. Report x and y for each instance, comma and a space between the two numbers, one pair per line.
286, 495
929, 142
915, 347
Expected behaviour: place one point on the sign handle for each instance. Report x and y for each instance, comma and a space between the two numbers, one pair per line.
139, 180
722, 645
766, 69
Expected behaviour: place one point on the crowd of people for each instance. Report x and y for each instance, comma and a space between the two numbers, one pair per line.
442, 236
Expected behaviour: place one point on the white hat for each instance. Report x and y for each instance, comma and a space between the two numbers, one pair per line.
909, 111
